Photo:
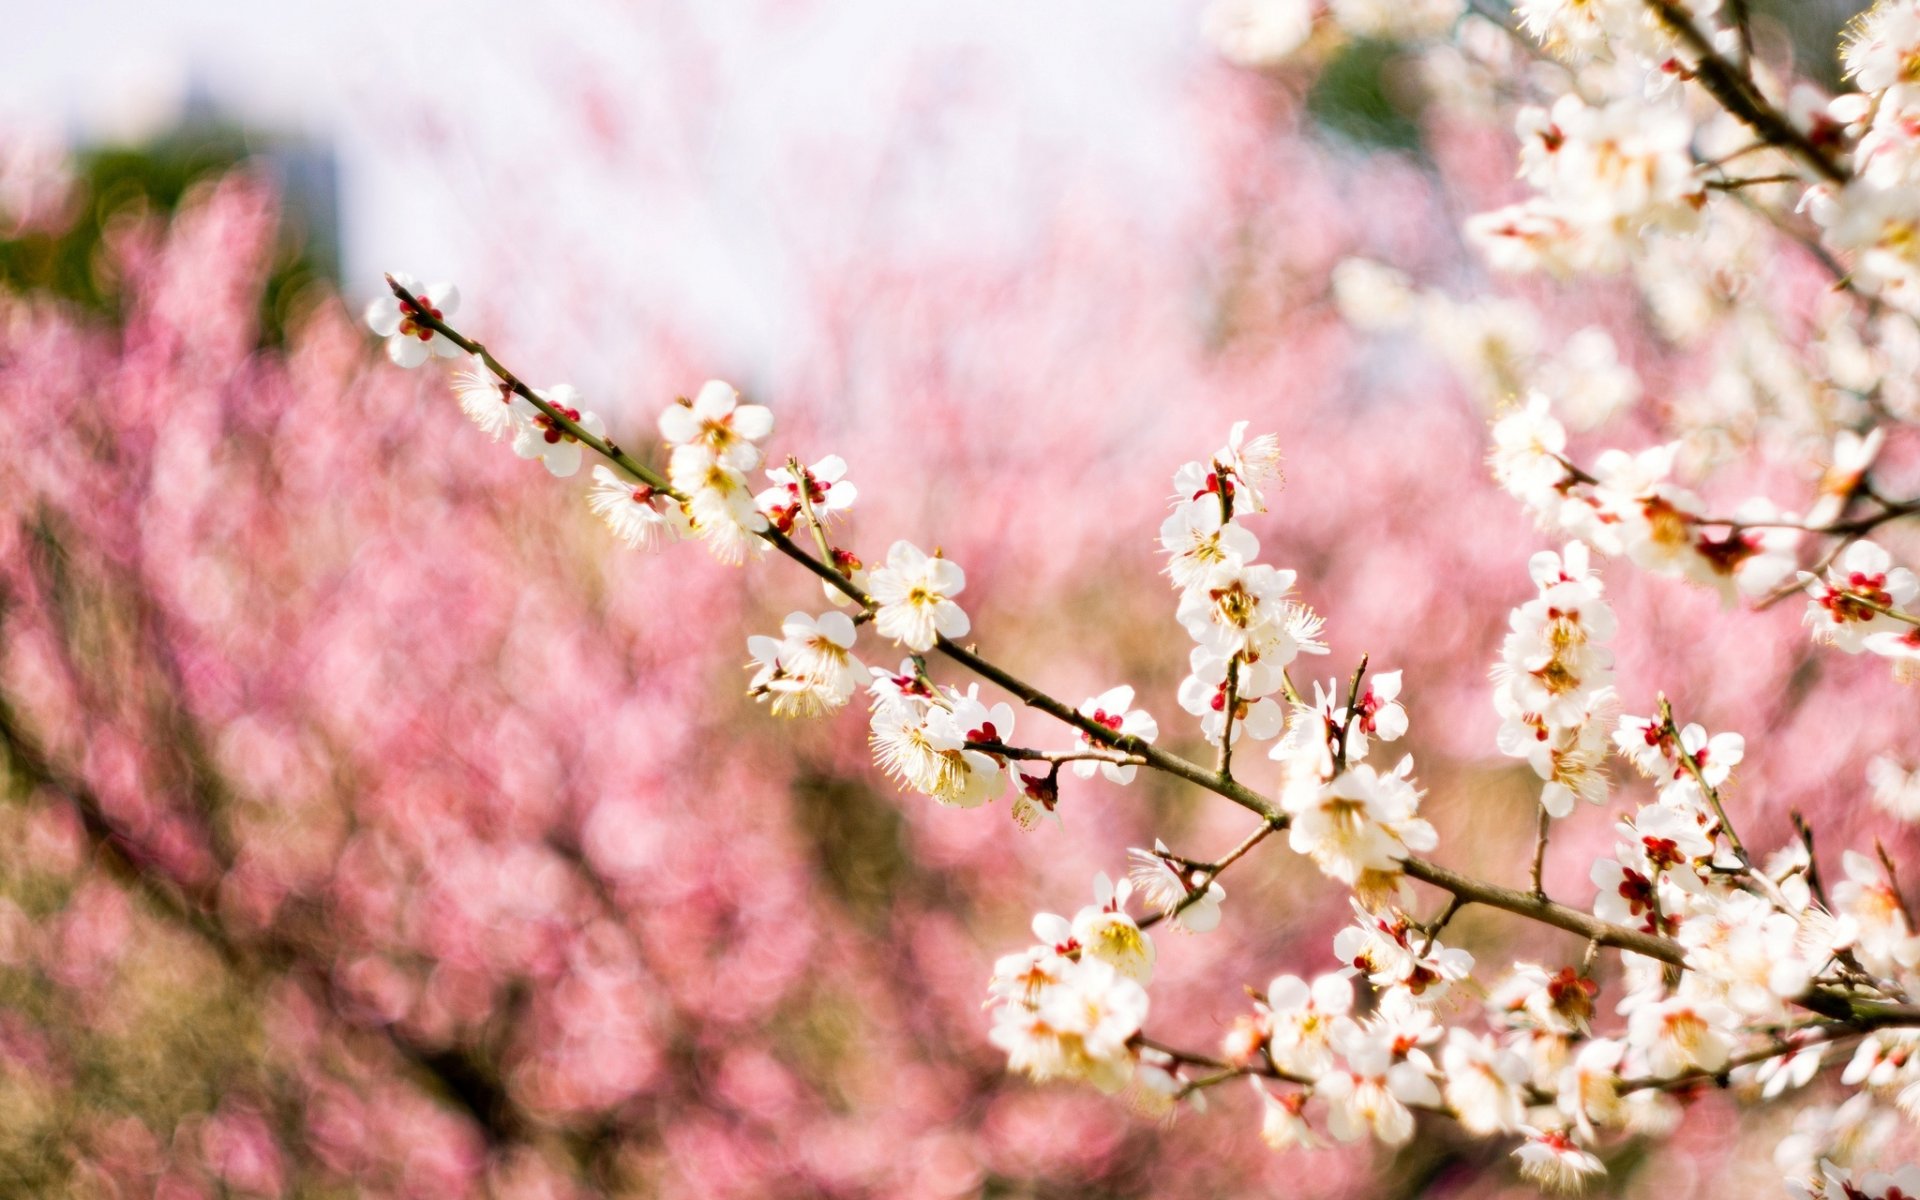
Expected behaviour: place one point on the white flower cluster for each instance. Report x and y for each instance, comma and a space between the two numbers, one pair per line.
1606, 175
1726, 958
715, 441
1553, 683
1355, 822
1071, 1006
921, 735
1246, 629
809, 669
1866, 603
1631, 506
1581, 31
1873, 218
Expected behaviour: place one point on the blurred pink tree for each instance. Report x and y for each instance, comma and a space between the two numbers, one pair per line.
378, 826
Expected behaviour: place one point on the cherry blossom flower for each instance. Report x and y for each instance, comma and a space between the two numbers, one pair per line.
915, 593
1551, 1160
537, 435
1485, 1085
634, 512
827, 494
1895, 788
1845, 607
409, 341
1302, 1020
1371, 1093
1112, 709
716, 420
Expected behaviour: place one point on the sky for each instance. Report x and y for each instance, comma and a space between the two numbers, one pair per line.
711, 151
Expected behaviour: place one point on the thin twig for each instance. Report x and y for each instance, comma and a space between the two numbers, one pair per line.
1540, 852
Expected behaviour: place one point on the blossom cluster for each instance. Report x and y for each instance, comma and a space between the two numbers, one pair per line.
1732, 969
1246, 628
1753, 944
1554, 689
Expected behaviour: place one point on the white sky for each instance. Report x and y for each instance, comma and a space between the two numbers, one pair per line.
740, 138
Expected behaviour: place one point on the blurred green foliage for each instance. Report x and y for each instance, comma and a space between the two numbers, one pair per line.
1354, 98
154, 178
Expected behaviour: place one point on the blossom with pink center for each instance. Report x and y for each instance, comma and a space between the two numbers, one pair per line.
1188, 894
540, 436
638, 514
1371, 1094
1552, 1160
410, 341
827, 495
1846, 607
1112, 709
914, 592
716, 419
1302, 1020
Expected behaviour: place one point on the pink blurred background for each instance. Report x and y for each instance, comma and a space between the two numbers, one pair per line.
377, 826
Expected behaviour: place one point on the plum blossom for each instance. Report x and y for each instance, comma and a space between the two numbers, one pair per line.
923, 742
410, 341
1259, 33
1846, 607
1103, 931
716, 420
1066, 1018
1359, 823
486, 399
719, 504
1485, 1084
1894, 787
914, 592
1112, 709
1681, 1034
1302, 1019
1551, 1159
1188, 895
1527, 455
1370, 1095
827, 494
810, 669
537, 435
638, 514
1198, 538
1283, 1122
